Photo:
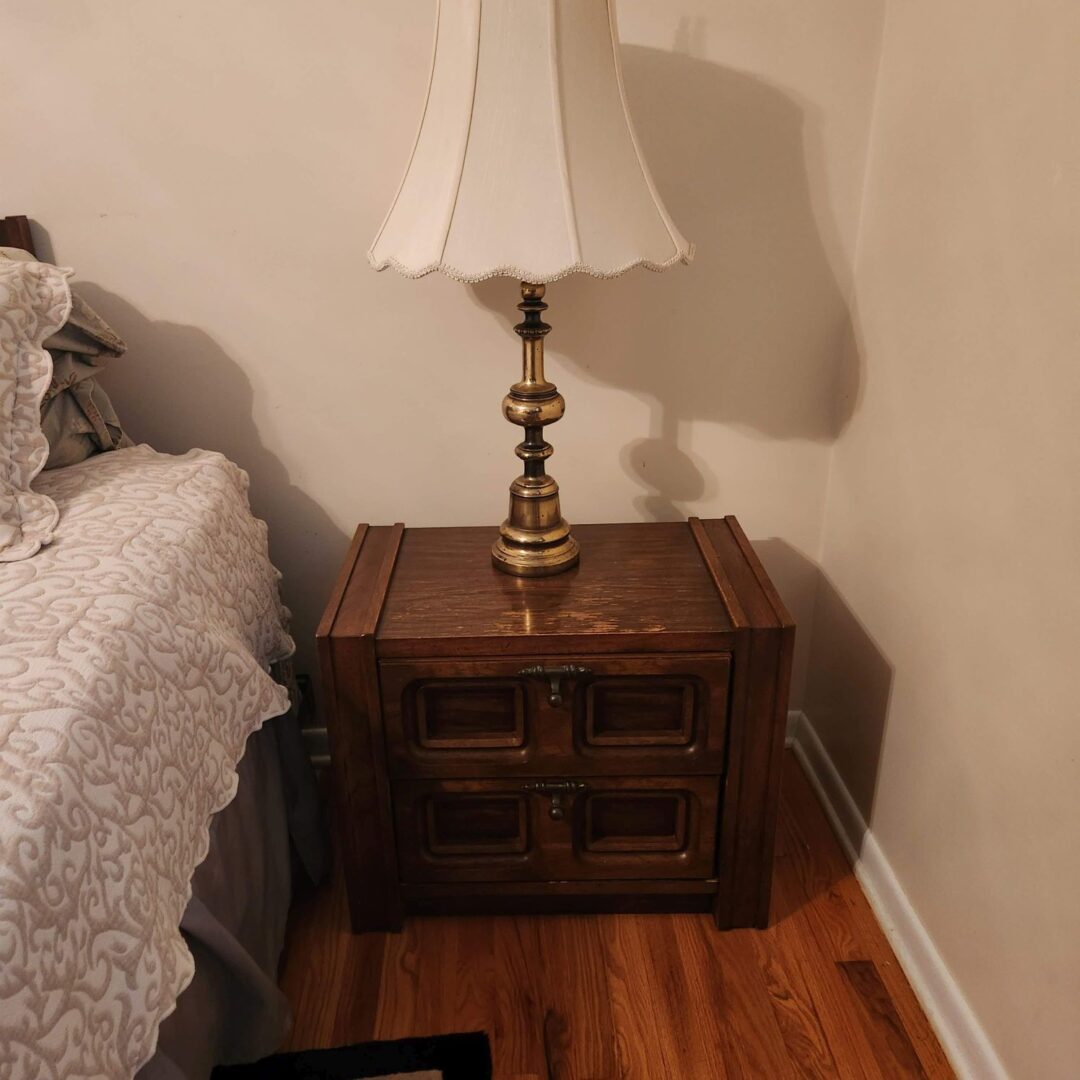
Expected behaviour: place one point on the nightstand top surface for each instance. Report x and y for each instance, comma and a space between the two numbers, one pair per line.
644, 578
431, 592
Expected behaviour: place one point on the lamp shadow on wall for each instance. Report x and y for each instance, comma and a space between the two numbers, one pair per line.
849, 687
176, 388
756, 333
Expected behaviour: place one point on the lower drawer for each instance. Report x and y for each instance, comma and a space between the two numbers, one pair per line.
588, 828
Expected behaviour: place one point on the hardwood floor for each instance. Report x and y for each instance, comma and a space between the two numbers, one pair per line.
634, 997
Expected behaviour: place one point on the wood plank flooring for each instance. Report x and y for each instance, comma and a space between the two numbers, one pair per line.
634, 997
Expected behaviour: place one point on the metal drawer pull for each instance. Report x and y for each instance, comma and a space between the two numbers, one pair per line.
558, 790
554, 676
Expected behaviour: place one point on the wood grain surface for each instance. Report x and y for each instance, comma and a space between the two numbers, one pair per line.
633, 997
15, 232
637, 579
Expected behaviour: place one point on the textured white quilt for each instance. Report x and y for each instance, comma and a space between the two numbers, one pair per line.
133, 657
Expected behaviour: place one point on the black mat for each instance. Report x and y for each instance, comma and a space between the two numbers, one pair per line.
460, 1057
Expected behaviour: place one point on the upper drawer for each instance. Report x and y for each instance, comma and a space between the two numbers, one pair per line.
644, 714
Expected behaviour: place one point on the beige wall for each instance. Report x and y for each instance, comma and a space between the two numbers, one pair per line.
945, 653
215, 172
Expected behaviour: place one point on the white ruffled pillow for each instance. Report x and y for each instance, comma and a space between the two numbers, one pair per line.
34, 303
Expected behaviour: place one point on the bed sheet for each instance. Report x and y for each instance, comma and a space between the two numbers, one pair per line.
134, 657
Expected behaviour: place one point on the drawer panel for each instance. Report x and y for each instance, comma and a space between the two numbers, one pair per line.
628, 715
464, 714
637, 711
595, 828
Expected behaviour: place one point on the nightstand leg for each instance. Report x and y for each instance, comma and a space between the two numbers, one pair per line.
363, 809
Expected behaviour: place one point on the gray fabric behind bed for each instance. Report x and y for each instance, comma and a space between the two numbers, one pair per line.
234, 924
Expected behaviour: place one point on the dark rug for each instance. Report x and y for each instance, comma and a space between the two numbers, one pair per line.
451, 1057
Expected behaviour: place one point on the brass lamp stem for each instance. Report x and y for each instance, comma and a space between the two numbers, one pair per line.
534, 540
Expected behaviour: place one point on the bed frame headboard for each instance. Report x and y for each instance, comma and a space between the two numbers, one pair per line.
15, 232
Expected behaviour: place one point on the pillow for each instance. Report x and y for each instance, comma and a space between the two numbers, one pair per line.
77, 417
76, 414
34, 303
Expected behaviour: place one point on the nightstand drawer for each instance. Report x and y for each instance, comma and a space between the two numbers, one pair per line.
593, 828
642, 715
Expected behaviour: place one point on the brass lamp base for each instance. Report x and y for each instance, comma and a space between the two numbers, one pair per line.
535, 562
534, 540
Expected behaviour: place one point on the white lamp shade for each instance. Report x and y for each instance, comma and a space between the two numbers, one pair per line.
526, 163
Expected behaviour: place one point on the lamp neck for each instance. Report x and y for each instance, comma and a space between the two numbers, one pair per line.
532, 330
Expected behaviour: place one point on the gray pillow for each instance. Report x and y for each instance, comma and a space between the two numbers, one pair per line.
76, 415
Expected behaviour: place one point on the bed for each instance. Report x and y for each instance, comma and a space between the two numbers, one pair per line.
155, 801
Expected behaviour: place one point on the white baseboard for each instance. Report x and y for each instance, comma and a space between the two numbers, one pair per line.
794, 719
962, 1037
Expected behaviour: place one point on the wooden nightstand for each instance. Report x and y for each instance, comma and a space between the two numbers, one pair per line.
608, 739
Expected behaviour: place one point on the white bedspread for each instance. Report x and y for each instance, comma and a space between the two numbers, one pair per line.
133, 657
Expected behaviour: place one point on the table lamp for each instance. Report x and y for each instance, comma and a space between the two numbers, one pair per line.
526, 165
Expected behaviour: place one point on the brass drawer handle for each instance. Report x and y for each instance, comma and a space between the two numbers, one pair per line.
558, 790
554, 676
